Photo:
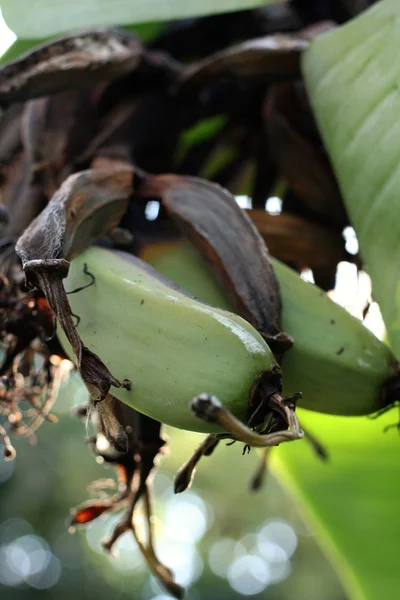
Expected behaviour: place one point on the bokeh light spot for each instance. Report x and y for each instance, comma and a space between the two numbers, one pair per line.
249, 575
186, 519
273, 205
28, 559
279, 533
220, 556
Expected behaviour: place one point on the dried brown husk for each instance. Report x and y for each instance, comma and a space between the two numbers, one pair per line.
299, 154
66, 62
21, 194
134, 111
208, 214
87, 206
189, 39
299, 242
10, 133
270, 58
54, 129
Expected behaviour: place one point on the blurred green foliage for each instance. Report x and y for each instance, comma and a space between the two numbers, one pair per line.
215, 523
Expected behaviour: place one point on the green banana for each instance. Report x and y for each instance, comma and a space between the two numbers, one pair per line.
336, 362
171, 346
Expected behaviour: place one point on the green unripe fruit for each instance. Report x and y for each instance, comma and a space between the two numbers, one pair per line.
336, 362
171, 346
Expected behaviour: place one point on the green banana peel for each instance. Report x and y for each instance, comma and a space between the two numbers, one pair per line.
170, 346
352, 76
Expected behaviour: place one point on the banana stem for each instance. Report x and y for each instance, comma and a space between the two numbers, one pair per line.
210, 409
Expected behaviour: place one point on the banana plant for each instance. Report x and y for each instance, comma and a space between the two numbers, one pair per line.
266, 140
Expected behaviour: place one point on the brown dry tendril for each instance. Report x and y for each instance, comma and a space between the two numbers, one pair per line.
134, 470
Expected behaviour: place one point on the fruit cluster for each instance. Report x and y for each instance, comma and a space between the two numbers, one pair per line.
216, 336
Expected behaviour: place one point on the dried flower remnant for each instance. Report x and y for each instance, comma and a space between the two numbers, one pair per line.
274, 427
28, 394
134, 469
30, 375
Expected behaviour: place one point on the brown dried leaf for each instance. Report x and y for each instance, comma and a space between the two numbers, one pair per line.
210, 217
270, 58
21, 194
87, 206
300, 156
68, 62
298, 241
54, 129
10, 136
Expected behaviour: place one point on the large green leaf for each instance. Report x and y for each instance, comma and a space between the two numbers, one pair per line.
41, 18
353, 75
145, 32
353, 78
353, 500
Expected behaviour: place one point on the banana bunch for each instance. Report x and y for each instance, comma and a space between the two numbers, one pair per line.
160, 349
174, 347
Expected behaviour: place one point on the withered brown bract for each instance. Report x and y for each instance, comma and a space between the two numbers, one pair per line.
208, 215
298, 241
21, 194
67, 62
54, 130
299, 153
273, 57
88, 205
10, 126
